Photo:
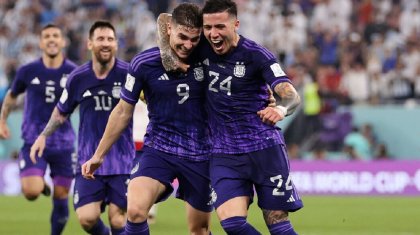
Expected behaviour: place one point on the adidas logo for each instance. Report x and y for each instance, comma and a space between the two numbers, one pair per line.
86, 94
164, 77
35, 81
291, 199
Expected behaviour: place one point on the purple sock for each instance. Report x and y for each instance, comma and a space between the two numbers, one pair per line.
137, 228
59, 215
117, 231
282, 228
237, 225
99, 229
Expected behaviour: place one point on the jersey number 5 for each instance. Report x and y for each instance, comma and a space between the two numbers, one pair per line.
49, 94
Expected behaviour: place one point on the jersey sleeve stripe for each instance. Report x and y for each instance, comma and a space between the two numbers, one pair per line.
122, 64
260, 49
80, 70
128, 99
143, 58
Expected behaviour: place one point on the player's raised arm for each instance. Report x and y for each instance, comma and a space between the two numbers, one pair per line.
8, 104
118, 120
56, 120
170, 60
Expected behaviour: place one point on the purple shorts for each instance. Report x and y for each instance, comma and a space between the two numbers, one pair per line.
267, 170
60, 162
105, 188
193, 176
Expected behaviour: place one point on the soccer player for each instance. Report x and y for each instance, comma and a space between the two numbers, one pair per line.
95, 86
176, 142
247, 152
44, 80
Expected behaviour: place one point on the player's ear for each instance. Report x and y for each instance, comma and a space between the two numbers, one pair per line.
168, 28
89, 44
236, 24
64, 42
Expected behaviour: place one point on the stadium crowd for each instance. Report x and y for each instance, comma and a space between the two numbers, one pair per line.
336, 52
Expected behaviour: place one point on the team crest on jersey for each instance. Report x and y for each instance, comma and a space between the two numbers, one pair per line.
239, 70
76, 197
116, 90
63, 80
199, 74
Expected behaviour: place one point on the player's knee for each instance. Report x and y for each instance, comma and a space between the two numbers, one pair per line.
137, 215
87, 221
201, 228
117, 221
31, 194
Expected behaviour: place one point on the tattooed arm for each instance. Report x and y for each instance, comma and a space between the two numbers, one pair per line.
287, 102
56, 120
289, 98
169, 59
8, 104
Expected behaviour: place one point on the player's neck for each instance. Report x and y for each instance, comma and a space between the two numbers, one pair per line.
101, 70
52, 62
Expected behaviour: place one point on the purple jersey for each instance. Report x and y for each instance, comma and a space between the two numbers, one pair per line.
43, 88
177, 116
237, 90
97, 98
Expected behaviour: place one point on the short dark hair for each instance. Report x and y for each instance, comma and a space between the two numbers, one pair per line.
218, 6
50, 25
188, 14
100, 24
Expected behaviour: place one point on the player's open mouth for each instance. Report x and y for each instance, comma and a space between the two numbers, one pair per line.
217, 44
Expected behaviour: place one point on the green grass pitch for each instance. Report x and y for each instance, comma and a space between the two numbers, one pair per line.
320, 216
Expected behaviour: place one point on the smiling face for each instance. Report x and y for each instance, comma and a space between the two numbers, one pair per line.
183, 39
51, 41
103, 44
220, 30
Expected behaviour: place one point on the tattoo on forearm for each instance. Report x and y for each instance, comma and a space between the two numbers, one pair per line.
169, 59
274, 217
54, 123
289, 97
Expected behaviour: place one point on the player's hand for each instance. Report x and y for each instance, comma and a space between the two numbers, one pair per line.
89, 167
271, 115
4, 130
37, 148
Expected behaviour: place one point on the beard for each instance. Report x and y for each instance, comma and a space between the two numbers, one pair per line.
103, 60
53, 54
